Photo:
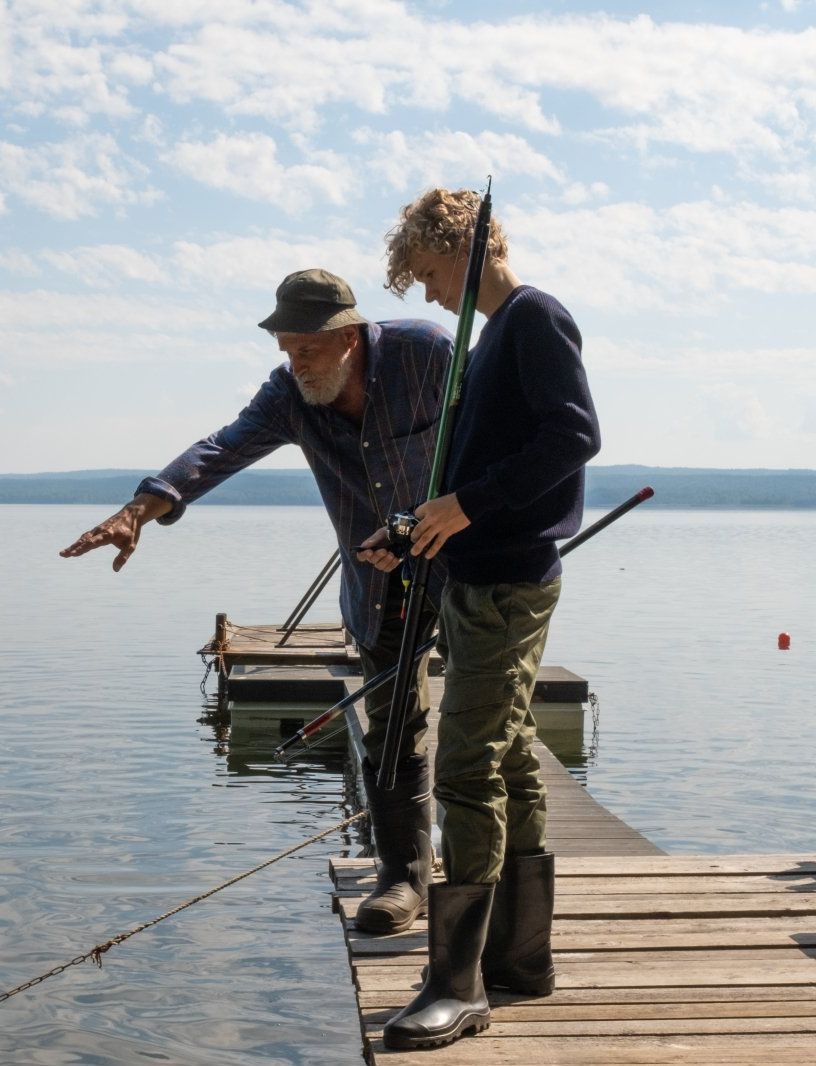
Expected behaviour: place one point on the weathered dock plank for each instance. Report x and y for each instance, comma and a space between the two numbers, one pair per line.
729, 1050
719, 984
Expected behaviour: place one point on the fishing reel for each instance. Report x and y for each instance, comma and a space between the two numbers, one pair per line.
400, 527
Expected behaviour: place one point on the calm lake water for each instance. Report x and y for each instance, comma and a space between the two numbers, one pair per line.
117, 802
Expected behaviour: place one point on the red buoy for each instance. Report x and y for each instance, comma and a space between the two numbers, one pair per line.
783, 640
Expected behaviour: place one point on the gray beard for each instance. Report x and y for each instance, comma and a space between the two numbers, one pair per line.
327, 390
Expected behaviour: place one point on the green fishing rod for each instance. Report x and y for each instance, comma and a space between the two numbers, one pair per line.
387, 774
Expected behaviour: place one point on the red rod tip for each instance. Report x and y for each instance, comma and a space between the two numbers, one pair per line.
646, 493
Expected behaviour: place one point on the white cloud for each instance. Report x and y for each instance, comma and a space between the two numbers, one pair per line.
49, 310
579, 193
790, 186
19, 263
711, 88
262, 262
107, 265
741, 412
595, 126
248, 165
5, 48
631, 257
716, 368
51, 67
443, 156
255, 263
136, 69
73, 178
44, 327
151, 131
705, 87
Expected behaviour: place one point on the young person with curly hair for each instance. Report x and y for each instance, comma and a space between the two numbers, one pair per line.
514, 485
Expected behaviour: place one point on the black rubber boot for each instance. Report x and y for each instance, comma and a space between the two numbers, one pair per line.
452, 999
401, 821
518, 954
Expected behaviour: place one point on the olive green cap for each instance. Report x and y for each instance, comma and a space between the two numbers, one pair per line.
310, 301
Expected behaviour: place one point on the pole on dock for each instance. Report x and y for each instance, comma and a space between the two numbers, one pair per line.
219, 647
309, 597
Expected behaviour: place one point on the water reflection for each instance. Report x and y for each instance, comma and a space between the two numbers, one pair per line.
248, 745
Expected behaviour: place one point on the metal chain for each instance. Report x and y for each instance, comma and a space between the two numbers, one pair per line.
208, 665
595, 707
95, 954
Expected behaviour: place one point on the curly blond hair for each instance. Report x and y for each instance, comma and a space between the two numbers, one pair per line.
438, 221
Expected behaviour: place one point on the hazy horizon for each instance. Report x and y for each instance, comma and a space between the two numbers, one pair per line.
255, 468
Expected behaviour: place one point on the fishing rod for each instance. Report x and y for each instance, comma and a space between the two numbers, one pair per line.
375, 682
334, 712
645, 493
387, 774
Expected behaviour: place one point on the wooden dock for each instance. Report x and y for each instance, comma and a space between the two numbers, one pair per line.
659, 958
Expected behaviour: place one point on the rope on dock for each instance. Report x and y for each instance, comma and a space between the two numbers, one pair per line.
96, 953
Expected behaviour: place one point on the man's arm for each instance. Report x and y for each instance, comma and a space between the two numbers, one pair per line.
122, 529
255, 433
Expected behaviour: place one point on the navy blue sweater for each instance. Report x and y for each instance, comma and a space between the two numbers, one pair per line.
525, 427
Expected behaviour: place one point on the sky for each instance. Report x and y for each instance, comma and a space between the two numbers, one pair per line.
165, 163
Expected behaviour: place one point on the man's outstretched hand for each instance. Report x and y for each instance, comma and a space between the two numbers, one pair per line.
122, 529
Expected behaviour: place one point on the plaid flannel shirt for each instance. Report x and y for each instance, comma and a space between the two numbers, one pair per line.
363, 473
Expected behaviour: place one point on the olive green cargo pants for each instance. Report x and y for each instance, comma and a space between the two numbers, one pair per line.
487, 775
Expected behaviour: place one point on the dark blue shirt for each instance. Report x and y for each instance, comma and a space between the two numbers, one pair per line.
363, 472
526, 426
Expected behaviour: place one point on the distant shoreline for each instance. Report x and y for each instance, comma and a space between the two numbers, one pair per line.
607, 486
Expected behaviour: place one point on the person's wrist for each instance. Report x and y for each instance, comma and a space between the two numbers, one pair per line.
145, 506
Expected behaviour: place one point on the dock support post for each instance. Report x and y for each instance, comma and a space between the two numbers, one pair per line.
220, 648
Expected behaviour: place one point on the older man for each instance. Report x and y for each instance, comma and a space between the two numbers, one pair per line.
361, 399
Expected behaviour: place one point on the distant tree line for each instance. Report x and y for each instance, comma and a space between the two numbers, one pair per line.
606, 487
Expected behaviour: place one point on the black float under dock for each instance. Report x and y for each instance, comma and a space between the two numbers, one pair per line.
660, 958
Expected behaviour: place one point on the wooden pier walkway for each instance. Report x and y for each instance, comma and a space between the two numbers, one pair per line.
659, 958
